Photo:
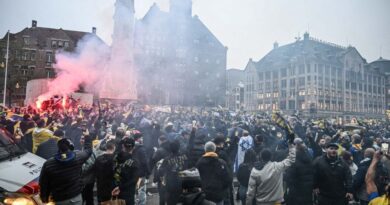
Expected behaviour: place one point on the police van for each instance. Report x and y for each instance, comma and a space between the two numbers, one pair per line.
19, 173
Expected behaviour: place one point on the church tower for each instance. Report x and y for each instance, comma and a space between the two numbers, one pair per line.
182, 8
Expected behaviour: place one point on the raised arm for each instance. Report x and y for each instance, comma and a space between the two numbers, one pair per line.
370, 176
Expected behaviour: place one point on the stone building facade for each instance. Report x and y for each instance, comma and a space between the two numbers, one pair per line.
383, 66
316, 78
179, 60
31, 56
235, 79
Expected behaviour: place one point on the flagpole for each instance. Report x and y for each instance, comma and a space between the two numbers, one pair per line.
6, 72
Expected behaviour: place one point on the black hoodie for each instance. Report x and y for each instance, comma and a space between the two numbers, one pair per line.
300, 179
104, 172
125, 174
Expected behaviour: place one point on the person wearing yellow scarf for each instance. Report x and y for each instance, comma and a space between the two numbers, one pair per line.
372, 190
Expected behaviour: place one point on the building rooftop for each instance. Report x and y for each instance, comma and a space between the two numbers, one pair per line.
306, 49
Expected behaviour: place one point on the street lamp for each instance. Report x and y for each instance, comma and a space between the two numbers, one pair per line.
6, 70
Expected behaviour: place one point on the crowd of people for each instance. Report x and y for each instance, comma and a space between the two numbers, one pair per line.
202, 156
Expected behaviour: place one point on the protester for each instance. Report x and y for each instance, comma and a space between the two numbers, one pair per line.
243, 174
169, 171
49, 148
126, 172
244, 144
104, 172
372, 189
332, 178
359, 185
299, 177
230, 133
266, 179
40, 134
214, 174
60, 178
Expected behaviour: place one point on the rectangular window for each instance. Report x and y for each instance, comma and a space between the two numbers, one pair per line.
66, 44
26, 40
54, 44
275, 74
49, 58
32, 57
283, 72
301, 69
320, 69
261, 76
292, 82
327, 70
301, 82
292, 71
268, 75
24, 56
347, 85
284, 83
308, 69
333, 73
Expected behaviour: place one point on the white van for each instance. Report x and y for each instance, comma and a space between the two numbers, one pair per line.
19, 173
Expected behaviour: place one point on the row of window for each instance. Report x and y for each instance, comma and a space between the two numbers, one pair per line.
31, 55
322, 105
59, 44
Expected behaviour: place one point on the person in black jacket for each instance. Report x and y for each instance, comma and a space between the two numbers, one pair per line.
161, 153
139, 154
104, 172
219, 141
300, 176
243, 174
214, 174
257, 146
332, 178
195, 148
169, 170
126, 172
60, 176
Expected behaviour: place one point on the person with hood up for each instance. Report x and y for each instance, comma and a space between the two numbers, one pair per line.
125, 172
299, 177
60, 177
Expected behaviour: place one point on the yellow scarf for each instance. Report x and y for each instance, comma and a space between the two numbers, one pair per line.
210, 154
383, 200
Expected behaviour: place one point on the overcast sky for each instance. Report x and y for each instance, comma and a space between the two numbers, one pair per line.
247, 27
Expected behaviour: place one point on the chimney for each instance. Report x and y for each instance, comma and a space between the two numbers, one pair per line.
34, 24
276, 45
306, 36
94, 30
